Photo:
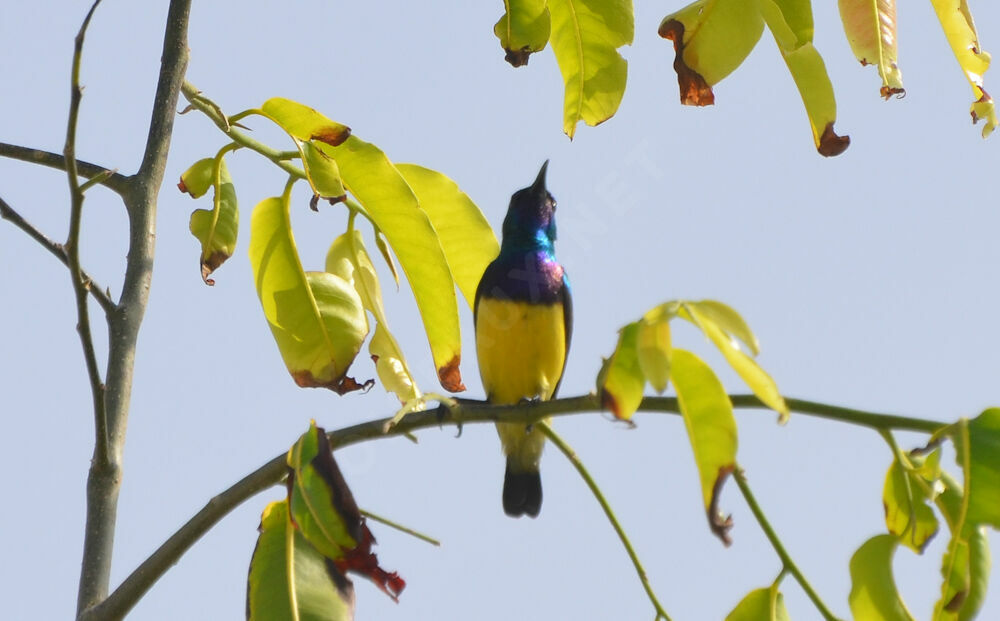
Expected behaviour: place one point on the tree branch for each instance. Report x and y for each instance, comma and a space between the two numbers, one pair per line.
115, 181
139, 194
8, 213
466, 411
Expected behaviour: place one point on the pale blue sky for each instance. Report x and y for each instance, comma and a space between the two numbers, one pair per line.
870, 279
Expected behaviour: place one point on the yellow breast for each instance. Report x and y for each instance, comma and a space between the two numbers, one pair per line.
521, 349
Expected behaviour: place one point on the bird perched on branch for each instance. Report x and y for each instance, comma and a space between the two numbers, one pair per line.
524, 319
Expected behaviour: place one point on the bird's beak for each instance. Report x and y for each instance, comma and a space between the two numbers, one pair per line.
538, 187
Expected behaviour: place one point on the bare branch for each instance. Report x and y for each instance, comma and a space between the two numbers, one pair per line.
99, 294
115, 181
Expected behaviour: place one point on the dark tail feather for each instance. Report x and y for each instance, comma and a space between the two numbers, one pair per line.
522, 493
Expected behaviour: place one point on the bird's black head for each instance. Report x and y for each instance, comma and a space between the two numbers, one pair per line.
531, 214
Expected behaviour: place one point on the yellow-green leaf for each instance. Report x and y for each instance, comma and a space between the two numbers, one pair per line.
984, 468
585, 37
874, 596
466, 237
198, 178
620, 381
907, 514
979, 573
729, 321
321, 172
289, 579
321, 504
523, 29
870, 26
392, 205
756, 378
711, 39
711, 427
760, 605
960, 29
965, 566
303, 122
653, 349
317, 318
347, 255
216, 229
790, 21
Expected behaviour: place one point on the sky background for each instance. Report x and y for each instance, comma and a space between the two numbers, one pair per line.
869, 278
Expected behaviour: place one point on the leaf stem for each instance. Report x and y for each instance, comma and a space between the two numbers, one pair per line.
786, 560
403, 529
596, 491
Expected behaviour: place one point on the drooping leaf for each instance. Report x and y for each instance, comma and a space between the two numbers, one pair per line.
760, 605
321, 172
585, 37
979, 573
870, 26
653, 349
620, 381
960, 29
303, 122
466, 237
324, 511
317, 318
347, 257
907, 512
216, 229
711, 39
874, 596
313, 590
711, 427
523, 29
790, 21
381, 189
756, 378
983, 463
729, 321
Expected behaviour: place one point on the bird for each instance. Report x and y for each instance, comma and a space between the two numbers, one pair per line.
524, 322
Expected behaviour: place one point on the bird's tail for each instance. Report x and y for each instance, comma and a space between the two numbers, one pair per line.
522, 492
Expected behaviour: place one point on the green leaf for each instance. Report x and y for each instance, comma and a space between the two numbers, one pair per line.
585, 37
466, 237
708, 417
321, 503
907, 512
321, 172
392, 205
197, 179
348, 258
760, 605
729, 321
218, 228
711, 39
523, 29
653, 349
289, 579
870, 26
979, 573
790, 21
874, 596
303, 122
317, 318
756, 378
620, 381
983, 466
960, 29
965, 566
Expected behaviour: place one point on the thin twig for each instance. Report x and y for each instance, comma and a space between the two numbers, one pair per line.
464, 411
9, 214
114, 181
786, 560
601, 500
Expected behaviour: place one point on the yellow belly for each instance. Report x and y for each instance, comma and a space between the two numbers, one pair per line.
521, 349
